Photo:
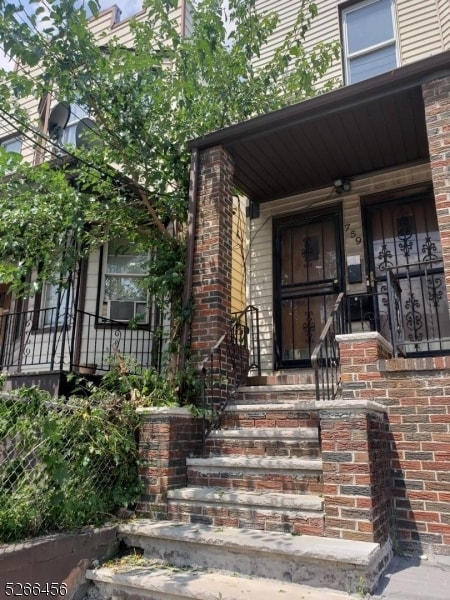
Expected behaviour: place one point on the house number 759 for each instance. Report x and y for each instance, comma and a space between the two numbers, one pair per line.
353, 234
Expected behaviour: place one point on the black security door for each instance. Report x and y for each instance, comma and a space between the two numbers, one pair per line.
308, 277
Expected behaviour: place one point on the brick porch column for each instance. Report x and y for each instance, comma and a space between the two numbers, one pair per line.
167, 436
436, 95
360, 373
356, 484
211, 288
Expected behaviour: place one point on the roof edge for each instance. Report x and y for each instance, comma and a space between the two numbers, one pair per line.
402, 78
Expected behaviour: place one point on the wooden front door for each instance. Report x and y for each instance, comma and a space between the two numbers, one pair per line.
308, 277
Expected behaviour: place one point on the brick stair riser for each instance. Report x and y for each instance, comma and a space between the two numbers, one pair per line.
252, 447
246, 517
292, 378
296, 483
232, 419
276, 397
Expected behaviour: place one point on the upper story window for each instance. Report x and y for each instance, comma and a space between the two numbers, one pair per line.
12, 145
77, 113
124, 295
369, 39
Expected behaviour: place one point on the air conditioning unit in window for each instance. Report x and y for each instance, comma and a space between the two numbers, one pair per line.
127, 310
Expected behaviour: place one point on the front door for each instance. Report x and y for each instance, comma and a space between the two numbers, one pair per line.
405, 252
308, 277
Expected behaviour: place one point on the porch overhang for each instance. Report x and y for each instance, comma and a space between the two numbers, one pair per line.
373, 125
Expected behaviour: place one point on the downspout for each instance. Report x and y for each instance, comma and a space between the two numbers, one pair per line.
190, 245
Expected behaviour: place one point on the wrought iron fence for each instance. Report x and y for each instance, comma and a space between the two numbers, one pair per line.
101, 339
325, 358
51, 339
227, 365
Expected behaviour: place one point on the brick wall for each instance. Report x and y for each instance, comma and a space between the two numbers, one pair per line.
212, 250
419, 416
167, 436
416, 392
355, 458
436, 95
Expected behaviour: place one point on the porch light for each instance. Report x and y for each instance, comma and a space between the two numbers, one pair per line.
341, 186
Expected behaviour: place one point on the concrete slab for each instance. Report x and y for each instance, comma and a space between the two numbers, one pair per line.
412, 578
256, 463
256, 499
267, 433
246, 540
174, 584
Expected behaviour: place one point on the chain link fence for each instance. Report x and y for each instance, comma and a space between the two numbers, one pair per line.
64, 463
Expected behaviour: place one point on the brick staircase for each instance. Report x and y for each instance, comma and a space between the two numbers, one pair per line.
250, 522
262, 468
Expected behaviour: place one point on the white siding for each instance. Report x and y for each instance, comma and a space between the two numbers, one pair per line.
419, 29
260, 262
423, 26
325, 28
444, 16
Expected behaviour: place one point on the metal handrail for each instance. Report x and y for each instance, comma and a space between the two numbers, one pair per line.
227, 364
325, 357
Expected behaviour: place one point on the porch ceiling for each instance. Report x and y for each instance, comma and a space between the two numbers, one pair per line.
369, 126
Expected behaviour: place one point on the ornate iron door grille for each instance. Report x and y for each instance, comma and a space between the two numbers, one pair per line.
406, 263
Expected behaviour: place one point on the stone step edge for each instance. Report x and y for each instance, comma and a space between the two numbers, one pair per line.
288, 387
259, 500
256, 463
295, 405
307, 547
267, 433
198, 585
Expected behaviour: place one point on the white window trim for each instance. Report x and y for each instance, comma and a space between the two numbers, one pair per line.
348, 56
104, 304
4, 143
45, 306
77, 113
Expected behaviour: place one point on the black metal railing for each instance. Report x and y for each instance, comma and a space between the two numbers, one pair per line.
418, 307
408, 306
325, 357
52, 340
227, 365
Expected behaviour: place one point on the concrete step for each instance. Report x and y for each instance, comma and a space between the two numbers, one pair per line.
253, 473
299, 514
267, 415
299, 442
283, 434
316, 561
150, 583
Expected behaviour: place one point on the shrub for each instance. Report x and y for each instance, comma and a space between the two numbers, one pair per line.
64, 463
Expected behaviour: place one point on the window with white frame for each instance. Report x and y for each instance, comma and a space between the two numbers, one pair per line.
124, 295
77, 113
53, 304
12, 145
369, 39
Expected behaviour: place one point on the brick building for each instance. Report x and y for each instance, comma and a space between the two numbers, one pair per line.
347, 262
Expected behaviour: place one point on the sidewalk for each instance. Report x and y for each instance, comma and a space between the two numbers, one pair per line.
409, 578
